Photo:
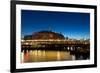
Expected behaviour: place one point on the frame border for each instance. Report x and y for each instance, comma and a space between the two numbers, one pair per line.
13, 35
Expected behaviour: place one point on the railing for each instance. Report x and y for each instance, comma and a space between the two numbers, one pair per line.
35, 42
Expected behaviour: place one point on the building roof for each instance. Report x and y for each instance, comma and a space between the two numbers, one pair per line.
45, 35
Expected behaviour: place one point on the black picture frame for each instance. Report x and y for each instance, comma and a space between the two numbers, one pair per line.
13, 35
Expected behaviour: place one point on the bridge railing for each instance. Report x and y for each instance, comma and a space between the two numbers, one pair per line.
35, 42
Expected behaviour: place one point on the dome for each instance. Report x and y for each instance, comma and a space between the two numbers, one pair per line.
45, 35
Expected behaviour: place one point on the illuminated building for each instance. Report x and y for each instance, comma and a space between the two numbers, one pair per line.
44, 35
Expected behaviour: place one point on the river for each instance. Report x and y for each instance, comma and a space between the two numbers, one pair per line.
48, 55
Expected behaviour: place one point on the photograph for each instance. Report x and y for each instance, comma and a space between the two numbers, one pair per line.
52, 36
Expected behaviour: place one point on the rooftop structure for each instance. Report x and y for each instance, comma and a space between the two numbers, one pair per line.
44, 35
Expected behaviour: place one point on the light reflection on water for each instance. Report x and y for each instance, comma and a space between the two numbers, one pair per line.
45, 55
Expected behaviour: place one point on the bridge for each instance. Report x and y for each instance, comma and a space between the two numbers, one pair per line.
69, 45
32, 42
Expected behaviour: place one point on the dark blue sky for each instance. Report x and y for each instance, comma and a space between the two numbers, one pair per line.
70, 24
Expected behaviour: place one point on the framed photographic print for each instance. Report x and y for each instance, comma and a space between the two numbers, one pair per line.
51, 36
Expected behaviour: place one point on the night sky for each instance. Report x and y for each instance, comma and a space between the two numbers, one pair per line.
70, 24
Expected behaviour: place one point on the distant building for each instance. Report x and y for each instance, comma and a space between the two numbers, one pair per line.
44, 35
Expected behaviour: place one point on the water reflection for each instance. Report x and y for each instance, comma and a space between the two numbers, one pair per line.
48, 55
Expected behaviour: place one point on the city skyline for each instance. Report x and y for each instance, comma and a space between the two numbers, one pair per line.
70, 24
